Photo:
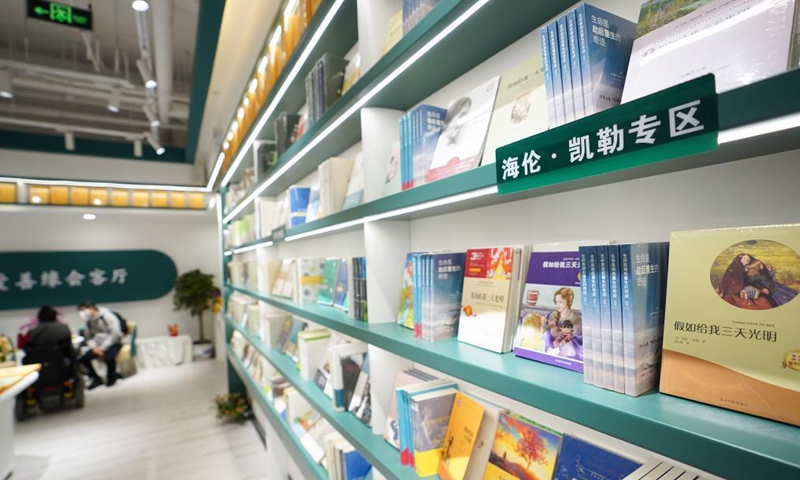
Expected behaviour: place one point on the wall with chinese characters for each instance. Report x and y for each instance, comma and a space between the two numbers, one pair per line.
189, 239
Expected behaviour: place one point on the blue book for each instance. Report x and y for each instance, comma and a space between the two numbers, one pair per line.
614, 291
340, 297
566, 70
404, 413
548, 80
596, 327
417, 291
431, 119
575, 64
605, 42
446, 283
354, 465
587, 297
579, 460
643, 270
558, 86
605, 317
298, 205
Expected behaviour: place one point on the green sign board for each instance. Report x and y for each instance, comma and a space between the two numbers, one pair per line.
31, 279
60, 13
676, 122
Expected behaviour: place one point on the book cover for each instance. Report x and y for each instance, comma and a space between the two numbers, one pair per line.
404, 413
587, 299
727, 38
340, 296
731, 330
550, 327
615, 298
459, 440
446, 284
566, 68
548, 78
403, 378
298, 205
309, 278
313, 211
334, 176
579, 460
289, 343
555, 64
575, 64
519, 110
312, 346
460, 144
346, 362
643, 275
355, 466
329, 275
391, 183
486, 295
355, 186
605, 317
430, 121
405, 312
430, 415
607, 39
522, 450
359, 401
394, 32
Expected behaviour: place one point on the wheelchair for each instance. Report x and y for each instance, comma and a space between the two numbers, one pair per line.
60, 384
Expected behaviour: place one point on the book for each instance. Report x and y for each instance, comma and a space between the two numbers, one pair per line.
352, 72
575, 64
334, 176
604, 42
566, 69
484, 440
313, 211
340, 290
522, 449
579, 460
346, 363
459, 440
617, 335
267, 215
328, 285
547, 70
285, 126
430, 414
298, 204
727, 38
311, 348
405, 312
460, 145
354, 194
439, 287
519, 109
731, 330
391, 183
288, 339
354, 465
403, 378
605, 319
429, 126
309, 278
405, 414
555, 65
489, 303
284, 278
394, 32
360, 402
550, 328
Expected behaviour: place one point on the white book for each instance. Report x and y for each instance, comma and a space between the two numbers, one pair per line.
267, 274
338, 353
334, 176
311, 347
271, 320
739, 41
267, 213
354, 194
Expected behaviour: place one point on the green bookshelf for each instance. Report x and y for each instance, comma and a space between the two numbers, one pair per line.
707, 437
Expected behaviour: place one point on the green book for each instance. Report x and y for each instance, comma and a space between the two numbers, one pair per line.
326, 288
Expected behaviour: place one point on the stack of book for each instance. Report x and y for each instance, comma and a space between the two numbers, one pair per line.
357, 286
585, 55
338, 284
419, 132
285, 132
431, 294
414, 11
324, 85
343, 461
327, 196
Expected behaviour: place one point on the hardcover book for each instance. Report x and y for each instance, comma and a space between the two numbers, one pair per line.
731, 328
550, 327
430, 414
460, 144
462, 432
579, 460
522, 450
520, 107
726, 37
329, 275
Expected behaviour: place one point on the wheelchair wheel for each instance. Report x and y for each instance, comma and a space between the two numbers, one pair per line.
78, 393
21, 408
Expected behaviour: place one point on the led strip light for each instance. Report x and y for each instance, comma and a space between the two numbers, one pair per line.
77, 183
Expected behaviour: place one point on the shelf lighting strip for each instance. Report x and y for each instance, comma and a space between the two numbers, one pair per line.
132, 186
237, 251
254, 132
761, 128
357, 106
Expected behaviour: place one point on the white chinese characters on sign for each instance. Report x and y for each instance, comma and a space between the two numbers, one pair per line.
610, 140
118, 275
75, 279
50, 279
26, 281
97, 277
510, 168
53, 279
682, 120
580, 149
3, 282
531, 163
645, 128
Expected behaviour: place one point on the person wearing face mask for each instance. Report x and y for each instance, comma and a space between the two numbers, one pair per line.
104, 337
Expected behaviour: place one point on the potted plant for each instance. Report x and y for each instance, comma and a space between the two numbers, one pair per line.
195, 291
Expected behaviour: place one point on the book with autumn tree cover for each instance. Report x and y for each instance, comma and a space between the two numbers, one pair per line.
522, 449
462, 432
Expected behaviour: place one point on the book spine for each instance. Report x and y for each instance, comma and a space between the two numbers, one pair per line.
351, 287
558, 86
586, 301
415, 145
548, 79
605, 318
594, 296
403, 150
583, 49
616, 318
416, 282
575, 65
566, 71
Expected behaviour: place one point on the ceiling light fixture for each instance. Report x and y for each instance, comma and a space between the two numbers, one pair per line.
262, 65
240, 114
113, 100
69, 141
230, 136
97, 202
127, 186
6, 87
89, 216
140, 5
153, 141
147, 75
215, 173
253, 86
36, 199
225, 146
150, 113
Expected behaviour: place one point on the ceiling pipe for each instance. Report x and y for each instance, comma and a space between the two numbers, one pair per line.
162, 45
66, 116
67, 74
63, 128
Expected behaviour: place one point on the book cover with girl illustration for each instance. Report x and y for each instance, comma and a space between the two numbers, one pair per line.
732, 336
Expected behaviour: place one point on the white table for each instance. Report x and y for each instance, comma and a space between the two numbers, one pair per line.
155, 352
7, 399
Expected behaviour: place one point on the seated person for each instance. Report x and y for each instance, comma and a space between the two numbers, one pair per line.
104, 337
50, 334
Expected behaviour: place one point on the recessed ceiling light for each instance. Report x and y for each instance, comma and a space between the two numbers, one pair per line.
140, 5
36, 199
97, 201
89, 216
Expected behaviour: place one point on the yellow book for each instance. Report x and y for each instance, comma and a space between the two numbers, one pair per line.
462, 431
120, 198
141, 198
8, 193
79, 196
59, 195
159, 199
394, 33
731, 324
38, 195
98, 197
197, 201
177, 199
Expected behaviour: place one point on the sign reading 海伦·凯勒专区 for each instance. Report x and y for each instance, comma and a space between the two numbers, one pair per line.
32, 279
60, 13
674, 123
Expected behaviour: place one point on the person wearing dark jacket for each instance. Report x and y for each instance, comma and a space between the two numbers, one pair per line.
50, 334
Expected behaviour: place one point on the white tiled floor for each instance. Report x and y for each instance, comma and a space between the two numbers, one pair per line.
158, 424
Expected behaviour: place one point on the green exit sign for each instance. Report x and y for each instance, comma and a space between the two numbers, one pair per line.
60, 13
